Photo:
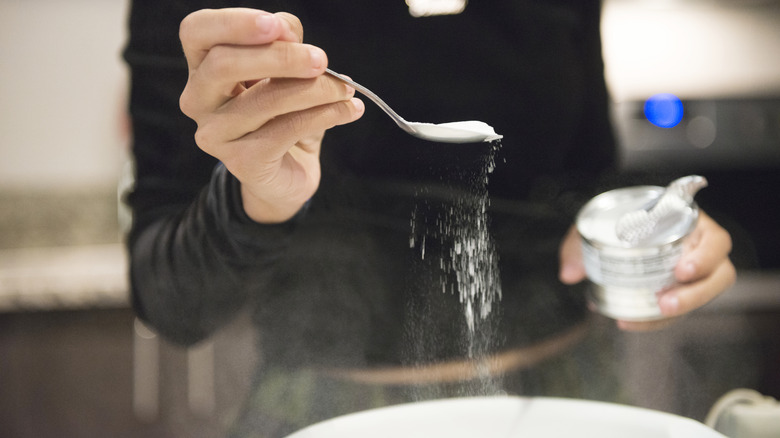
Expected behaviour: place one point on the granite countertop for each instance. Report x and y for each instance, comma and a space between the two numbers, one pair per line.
61, 250
68, 277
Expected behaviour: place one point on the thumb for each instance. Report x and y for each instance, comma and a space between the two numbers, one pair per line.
292, 31
572, 269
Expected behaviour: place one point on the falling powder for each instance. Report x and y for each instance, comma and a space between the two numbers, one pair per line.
471, 258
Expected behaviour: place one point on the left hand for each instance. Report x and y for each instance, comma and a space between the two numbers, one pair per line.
703, 272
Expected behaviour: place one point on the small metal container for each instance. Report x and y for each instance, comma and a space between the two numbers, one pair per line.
627, 277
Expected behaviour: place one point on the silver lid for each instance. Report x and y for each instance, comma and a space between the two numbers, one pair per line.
597, 221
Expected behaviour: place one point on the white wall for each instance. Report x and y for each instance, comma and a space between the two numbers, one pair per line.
62, 93
692, 48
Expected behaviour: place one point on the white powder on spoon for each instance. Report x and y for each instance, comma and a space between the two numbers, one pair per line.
457, 132
474, 126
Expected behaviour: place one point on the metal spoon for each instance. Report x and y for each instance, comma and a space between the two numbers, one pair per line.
452, 132
678, 195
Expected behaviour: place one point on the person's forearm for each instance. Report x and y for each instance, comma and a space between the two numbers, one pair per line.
192, 270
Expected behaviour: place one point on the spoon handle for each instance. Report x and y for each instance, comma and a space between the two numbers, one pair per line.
403, 124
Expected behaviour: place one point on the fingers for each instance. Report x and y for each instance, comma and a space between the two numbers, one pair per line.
687, 297
277, 136
204, 29
227, 47
293, 31
707, 246
269, 100
572, 269
703, 272
276, 100
225, 67
248, 68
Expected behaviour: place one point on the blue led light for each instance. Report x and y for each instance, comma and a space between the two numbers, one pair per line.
664, 110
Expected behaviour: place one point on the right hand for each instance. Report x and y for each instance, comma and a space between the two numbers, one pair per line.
262, 104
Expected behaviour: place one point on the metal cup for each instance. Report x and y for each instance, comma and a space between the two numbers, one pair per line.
626, 277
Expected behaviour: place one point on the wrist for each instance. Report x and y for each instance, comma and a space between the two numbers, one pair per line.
268, 212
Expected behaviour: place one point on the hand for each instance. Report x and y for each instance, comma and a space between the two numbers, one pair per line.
262, 104
703, 272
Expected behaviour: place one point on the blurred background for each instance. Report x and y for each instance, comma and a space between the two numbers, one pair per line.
73, 360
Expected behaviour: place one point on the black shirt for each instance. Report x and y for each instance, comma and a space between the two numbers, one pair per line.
340, 284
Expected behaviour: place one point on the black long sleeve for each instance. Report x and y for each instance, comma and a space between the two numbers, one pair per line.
192, 269
193, 250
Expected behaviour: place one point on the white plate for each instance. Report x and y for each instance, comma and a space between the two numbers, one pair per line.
508, 417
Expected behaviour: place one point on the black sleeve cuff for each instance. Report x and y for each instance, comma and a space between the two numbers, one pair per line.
226, 208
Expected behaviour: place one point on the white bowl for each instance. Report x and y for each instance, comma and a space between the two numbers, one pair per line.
508, 417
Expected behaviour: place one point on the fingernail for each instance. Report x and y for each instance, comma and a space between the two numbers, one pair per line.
317, 57
265, 23
669, 304
359, 105
688, 270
